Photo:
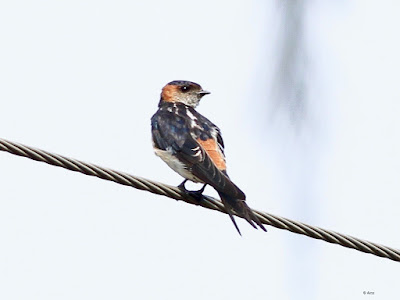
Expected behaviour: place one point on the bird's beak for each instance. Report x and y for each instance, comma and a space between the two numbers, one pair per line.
203, 92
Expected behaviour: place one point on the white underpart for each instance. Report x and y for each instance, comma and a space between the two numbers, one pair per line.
175, 164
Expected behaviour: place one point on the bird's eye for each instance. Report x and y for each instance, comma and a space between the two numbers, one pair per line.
184, 88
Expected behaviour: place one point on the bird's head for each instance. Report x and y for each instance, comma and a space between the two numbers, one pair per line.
180, 91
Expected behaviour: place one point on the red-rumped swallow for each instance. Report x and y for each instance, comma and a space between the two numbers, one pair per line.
192, 146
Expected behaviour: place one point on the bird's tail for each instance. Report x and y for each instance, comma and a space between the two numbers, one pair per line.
242, 209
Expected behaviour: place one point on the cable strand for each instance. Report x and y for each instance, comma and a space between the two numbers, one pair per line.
208, 202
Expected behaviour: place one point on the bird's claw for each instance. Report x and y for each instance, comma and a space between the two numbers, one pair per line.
197, 195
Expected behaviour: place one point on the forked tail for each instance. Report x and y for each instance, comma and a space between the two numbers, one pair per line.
242, 209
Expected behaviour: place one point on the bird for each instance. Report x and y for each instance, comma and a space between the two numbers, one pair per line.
192, 146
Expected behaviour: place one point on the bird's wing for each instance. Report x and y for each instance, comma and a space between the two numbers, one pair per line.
202, 154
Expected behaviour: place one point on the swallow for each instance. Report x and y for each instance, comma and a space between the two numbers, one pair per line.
192, 146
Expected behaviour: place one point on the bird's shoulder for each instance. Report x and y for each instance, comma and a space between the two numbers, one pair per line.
183, 119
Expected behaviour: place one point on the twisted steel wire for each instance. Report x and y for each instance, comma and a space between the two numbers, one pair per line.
207, 202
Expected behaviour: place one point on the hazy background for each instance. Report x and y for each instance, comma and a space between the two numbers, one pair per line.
306, 94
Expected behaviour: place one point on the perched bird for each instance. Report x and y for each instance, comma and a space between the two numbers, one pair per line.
192, 146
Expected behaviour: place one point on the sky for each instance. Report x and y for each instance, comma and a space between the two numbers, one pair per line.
83, 78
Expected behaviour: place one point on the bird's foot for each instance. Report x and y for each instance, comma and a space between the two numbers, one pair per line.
182, 186
197, 195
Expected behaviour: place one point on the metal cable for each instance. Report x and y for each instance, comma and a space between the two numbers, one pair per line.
208, 202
